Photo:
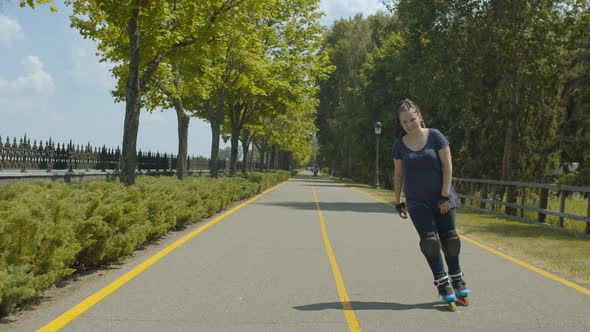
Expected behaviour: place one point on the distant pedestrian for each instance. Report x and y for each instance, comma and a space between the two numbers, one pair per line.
423, 168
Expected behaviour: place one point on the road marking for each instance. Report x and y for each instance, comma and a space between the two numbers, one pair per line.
351, 320
544, 273
528, 266
90, 301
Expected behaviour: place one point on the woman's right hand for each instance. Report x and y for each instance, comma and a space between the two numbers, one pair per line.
401, 209
444, 204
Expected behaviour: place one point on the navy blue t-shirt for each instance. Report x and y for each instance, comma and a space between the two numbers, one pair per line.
422, 170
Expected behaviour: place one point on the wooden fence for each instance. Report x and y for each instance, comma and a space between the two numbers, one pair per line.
22, 155
490, 196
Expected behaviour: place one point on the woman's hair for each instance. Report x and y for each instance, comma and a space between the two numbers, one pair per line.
407, 105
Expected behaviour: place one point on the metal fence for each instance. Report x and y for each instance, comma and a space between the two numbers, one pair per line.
491, 196
22, 155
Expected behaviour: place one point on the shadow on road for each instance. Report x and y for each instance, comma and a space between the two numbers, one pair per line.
359, 305
375, 207
312, 179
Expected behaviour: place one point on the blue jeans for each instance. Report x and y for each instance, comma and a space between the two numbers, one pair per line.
429, 220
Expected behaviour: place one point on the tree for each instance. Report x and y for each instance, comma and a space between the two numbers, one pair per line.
169, 93
31, 3
487, 73
574, 128
343, 120
138, 35
286, 73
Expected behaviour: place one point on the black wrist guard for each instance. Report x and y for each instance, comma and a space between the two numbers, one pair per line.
444, 199
401, 207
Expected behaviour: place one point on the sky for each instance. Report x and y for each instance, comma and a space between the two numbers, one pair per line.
52, 84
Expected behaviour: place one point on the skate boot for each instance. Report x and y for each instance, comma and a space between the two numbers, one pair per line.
446, 292
461, 290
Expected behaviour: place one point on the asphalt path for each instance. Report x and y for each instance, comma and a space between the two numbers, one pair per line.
308, 255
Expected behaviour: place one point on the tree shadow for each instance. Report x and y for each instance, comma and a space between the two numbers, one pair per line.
324, 185
360, 305
370, 207
313, 179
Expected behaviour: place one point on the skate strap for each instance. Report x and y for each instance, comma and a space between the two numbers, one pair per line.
441, 281
456, 276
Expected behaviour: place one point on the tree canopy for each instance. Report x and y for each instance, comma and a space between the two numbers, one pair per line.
222, 61
33, 3
505, 81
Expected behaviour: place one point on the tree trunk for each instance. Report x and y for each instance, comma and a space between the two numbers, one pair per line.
291, 164
271, 157
235, 137
183, 121
215, 132
132, 103
245, 148
233, 161
216, 119
507, 156
511, 153
263, 165
262, 160
252, 157
276, 157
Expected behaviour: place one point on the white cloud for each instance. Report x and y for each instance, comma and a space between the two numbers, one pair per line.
10, 31
29, 91
34, 79
336, 9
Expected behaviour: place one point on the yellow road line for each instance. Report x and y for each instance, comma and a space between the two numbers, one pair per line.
351, 320
90, 301
528, 266
544, 273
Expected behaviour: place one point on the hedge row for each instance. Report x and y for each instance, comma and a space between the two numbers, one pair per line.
49, 231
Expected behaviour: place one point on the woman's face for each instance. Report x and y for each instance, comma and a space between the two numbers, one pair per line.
410, 121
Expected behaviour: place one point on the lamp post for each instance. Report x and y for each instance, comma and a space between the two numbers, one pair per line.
377, 133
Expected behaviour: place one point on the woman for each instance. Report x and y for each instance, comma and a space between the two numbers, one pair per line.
422, 159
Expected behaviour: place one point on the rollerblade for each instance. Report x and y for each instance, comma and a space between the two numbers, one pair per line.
460, 288
446, 292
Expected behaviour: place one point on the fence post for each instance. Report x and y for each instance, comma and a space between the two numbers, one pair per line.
561, 207
523, 193
22, 150
493, 197
462, 186
472, 192
588, 216
543, 204
483, 195
50, 155
511, 197
70, 156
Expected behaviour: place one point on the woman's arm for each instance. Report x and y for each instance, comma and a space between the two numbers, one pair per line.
447, 168
397, 180
397, 188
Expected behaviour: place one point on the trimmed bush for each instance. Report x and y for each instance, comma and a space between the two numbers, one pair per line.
48, 231
37, 242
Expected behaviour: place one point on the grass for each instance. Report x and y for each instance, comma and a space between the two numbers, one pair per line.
555, 251
561, 253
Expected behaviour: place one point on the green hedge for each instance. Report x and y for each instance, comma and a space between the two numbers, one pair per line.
49, 231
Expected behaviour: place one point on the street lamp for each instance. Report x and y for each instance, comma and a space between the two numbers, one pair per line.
377, 133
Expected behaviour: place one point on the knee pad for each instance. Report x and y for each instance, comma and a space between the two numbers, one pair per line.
430, 246
451, 244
